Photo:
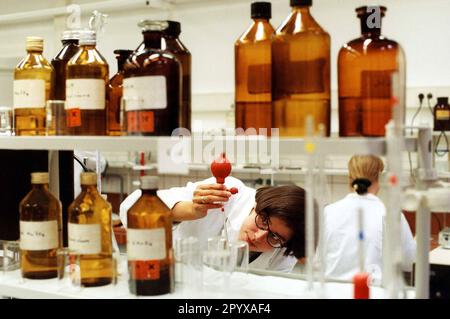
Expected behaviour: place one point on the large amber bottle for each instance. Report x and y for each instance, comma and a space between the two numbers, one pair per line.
115, 91
69, 41
149, 243
152, 85
253, 72
86, 84
90, 233
40, 230
301, 72
365, 74
33, 78
175, 46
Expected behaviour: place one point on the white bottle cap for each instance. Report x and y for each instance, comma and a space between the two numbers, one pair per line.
87, 37
35, 43
149, 182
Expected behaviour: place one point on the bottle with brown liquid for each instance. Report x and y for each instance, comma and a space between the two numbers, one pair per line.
33, 78
40, 230
253, 72
152, 86
115, 91
90, 233
86, 84
301, 72
365, 69
175, 46
442, 115
149, 243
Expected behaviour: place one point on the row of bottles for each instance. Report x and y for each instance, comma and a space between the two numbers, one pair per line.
149, 245
145, 97
283, 76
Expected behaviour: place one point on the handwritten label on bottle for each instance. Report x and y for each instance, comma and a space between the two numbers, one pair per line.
39, 235
29, 94
442, 115
150, 90
305, 77
85, 94
146, 244
85, 239
376, 84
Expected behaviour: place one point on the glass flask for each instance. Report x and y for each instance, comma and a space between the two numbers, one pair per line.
442, 115
149, 243
366, 67
90, 233
115, 90
40, 230
253, 71
301, 72
86, 83
33, 78
152, 86
177, 48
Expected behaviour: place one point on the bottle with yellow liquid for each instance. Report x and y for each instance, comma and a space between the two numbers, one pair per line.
86, 88
149, 243
253, 72
301, 72
40, 230
33, 78
90, 233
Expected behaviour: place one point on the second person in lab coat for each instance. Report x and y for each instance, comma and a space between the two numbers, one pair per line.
341, 224
271, 220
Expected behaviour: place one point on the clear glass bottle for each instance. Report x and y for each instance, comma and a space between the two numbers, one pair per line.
33, 78
152, 85
90, 233
253, 71
40, 230
442, 115
149, 243
301, 72
86, 84
365, 69
115, 90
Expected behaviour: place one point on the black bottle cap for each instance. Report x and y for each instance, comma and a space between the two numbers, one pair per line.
123, 53
442, 100
295, 3
174, 28
362, 11
261, 10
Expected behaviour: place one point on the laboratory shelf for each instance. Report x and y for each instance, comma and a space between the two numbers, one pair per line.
285, 146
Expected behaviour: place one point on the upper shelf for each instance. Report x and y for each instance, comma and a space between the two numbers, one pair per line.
285, 146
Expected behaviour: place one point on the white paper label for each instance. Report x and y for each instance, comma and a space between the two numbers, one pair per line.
85, 94
29, 93
146, 244
145, 92
39, 235
85, 239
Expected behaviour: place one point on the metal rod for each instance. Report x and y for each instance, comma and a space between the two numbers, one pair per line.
422, 271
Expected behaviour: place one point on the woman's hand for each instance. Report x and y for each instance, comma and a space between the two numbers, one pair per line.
208, 196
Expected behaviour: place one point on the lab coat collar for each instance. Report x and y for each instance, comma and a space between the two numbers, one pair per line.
368, 196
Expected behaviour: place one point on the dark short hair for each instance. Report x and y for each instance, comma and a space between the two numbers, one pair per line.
288, 203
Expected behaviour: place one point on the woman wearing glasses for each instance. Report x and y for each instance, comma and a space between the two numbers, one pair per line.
271, 219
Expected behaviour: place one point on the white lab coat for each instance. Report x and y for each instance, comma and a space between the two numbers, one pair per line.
341, 237
237, 208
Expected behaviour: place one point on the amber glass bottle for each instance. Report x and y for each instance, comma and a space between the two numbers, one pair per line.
442, 115
90, 233
300, 72
86, 84
253, 71
40, 230
365, 69
115, 91
152, 86
175, 46
33, 78
149, 243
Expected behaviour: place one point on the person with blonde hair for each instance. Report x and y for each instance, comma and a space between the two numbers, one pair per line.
341, 234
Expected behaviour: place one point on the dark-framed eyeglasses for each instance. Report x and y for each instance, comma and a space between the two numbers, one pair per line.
273, 239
